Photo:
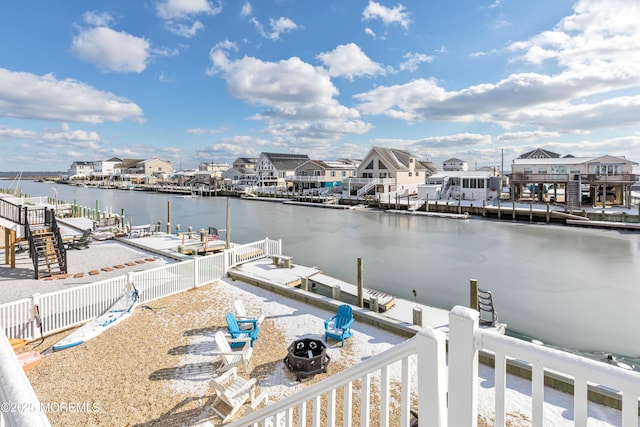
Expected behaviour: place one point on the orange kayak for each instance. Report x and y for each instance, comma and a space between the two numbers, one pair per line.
17, 343
29, 360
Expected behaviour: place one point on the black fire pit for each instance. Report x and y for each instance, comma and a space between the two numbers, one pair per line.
307, 357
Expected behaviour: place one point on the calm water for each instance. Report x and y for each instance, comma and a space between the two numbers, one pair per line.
569, 287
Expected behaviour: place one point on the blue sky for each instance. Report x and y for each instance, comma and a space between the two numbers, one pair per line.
195, 80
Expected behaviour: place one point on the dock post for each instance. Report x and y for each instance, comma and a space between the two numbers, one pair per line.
548, 218
360, 284
305, 284
513, 210
484, 208
473, 294
373, 304
530, 211
417, 316
499, 209
335, 292
169, 217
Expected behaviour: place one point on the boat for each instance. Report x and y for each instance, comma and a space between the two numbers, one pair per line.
17, 343
29, 360
119, 311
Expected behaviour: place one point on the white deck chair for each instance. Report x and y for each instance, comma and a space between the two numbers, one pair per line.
232, 358
234, 391
248, 313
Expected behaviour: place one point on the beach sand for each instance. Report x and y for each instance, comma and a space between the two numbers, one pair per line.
154, 368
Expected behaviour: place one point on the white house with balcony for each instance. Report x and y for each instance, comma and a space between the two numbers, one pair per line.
386, 172
272, 169
603, 180
466, 185
80, 170
322, 176
241, 174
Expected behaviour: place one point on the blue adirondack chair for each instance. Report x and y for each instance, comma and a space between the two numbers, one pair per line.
233, 327
338, 327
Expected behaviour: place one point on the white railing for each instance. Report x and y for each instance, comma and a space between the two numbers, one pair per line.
251, 251
64, 309
417, 366
438, 384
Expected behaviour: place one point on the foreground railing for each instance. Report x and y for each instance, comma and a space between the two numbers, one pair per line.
446, 396
407, 379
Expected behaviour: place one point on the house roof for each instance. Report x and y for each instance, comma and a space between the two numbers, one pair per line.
129, 163
396, 158
328, 164
539, 151
454, 160
571, 160
286, 161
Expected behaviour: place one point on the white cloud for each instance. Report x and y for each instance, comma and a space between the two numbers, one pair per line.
179, 15
200, 131
246, 10
15, 133
594, 62
29, 96
184, 9
98, 19
413, 60
370, 32
300, 98
526, 136
112, 50
184, 30
349, 61
278, 26
394, 15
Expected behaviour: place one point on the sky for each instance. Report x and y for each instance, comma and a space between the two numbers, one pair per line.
194, 81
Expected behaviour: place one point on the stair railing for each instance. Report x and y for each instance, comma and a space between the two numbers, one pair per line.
32, 247
50, 221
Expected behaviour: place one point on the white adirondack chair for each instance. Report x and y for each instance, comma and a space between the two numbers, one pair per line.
248, 313
230, 357
234, 391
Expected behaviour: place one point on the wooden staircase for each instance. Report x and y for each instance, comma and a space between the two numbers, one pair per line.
47, 253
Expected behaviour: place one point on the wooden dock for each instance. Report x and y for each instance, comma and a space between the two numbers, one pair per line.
349, 292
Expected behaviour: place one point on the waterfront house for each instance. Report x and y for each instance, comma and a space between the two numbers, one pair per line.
482, 184
80, 170
605, 180
242, 173
386, 173
454, 164
273, 168
322, 176
209, 173
105, 168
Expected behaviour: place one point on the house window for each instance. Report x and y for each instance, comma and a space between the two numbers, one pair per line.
381, 165
303, 173
344, 173
333, 173
317, 173
410, 174
542, 170
370, 165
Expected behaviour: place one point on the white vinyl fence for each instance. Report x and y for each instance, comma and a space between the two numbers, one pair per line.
72, 307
